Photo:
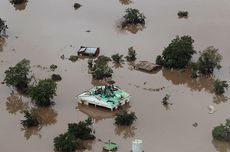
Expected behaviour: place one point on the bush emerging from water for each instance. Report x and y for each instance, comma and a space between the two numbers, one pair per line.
73, 58
56, 77
3, 27
219, 86
53, 67
222, 132
18, 1
117, 58
133, 17
131, 54
178, 53
125, 118
30, 121
76, 6
43, 92
17, 76
182, 14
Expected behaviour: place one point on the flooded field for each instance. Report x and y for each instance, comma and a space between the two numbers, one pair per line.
43, 30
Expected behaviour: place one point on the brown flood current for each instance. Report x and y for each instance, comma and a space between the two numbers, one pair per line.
43, 30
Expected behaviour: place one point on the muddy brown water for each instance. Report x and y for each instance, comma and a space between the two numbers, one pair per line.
43, 30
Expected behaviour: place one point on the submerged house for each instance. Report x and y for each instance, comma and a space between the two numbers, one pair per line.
146, 66
110, 97
89, 51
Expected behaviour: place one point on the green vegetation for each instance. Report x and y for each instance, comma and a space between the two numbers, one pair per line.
3, 27
219, 86
117, 58
43, 92
131, 54
72, 139
76, 6
125, 118
17, 76
30, 121
17, 1
166, 99
182, 14
133, 17
53, 67
56, 77
222, 132
67, 143
101, 69
207, 62
73, 58
178, 53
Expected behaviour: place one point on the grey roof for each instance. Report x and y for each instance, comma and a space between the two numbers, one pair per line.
88, 50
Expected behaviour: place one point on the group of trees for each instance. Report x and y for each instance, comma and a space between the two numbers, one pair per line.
72, 139
125, 118
3, 27
133, 17
222, 132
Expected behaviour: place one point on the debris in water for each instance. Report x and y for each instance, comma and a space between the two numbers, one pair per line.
88, 31
195, 124
211, 109
62, 56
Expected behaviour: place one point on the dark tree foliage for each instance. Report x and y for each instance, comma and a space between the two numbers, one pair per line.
53, 67
73, 58
3, 27
219, 86
125, 118
67, 143
222, 132
17, 76
101, 69
134, 17
178, 53
131, 54
117, 58
81, 130
56, 77
17, 1
182, 14
76, 6
43, 92
30, 121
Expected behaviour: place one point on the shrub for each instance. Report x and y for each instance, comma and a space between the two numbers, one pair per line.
131, 54
73, 58
43, 92
159, 60
101, 69
53, 67
222, 132
182, 14
81, 130
3, 27
125, 118
178, 53
76, 6
219, 86
166, 99
117, 58
133, 16
18, 1
17, 76
30, 121
56, 77
67, 143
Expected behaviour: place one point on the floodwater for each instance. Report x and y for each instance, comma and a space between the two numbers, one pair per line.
43, 30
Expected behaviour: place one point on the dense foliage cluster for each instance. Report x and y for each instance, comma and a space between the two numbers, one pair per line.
133, 17
125, 118
43, 92
178, 53
72, 139
117, 58
219, 86
131, 54
56, 77
18, 1
73, 58
17, 76
30, 121
222, 132
76, 6
3, 26
101, 69
53, 67
182, 14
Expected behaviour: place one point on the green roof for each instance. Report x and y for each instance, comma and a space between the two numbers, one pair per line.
110, 146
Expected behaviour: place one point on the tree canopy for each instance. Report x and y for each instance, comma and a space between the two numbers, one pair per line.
117, 58
222, 132
133, 16
131, 54
219, 86
125, 118
178, 53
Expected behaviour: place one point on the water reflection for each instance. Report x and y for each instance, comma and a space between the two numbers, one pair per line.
184, 78
2, 43
125, 131
20, 7
125, 2
133, 28
28, 132
15, 104
221, 146
219, 99
117, 65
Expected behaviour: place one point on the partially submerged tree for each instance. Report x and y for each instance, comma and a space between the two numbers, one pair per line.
43, 92
30, 121
219, 86
73, 58
133, 17
56, 77
18, 1
117, 58
67, 143
131, 54
53, 67
101, 69
76, 6
17, 76
178, 53
125, 118
222, 132
82, 130
166, 99
182, 14
3, 27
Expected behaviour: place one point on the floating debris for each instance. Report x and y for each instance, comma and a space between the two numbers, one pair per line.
211, 109
195, 124
146, 66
